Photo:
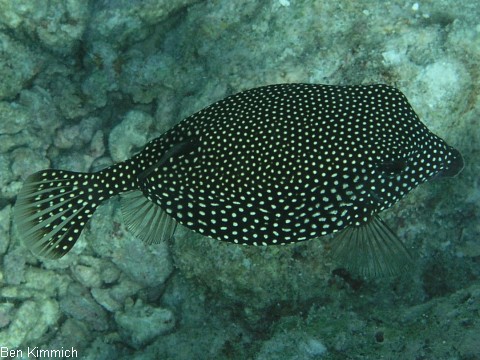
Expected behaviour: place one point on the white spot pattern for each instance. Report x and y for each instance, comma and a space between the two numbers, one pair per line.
270, 165
309, 160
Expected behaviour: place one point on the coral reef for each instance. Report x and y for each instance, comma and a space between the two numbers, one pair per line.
88, 83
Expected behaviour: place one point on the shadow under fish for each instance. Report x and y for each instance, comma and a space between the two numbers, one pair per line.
273, 165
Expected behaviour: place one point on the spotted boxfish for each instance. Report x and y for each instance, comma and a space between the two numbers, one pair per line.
275, 164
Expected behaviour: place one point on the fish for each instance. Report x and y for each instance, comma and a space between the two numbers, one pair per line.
272, 165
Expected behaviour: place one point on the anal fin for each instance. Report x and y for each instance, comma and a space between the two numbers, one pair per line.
146, 219
371, 249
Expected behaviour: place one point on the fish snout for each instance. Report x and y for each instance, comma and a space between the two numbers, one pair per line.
454, 164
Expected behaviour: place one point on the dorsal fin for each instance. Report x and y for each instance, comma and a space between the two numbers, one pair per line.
144, 218
183, 147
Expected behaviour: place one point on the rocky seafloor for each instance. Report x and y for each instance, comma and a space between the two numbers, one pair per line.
85, 84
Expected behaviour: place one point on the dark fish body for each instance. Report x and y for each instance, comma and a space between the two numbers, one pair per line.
271, 165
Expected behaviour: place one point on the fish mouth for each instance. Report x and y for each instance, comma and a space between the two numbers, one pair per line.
455, 166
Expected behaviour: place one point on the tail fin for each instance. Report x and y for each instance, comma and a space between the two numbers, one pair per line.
53, 207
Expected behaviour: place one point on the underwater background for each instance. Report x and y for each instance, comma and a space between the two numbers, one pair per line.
85, 84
